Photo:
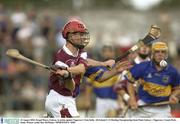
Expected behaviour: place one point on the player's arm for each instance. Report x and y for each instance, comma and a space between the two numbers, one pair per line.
121, 87
131, 76
125, 96
70, 84
119, 67
79, 69
92, 62
175, 94
68, 80
67, 73
122, 97
132, 99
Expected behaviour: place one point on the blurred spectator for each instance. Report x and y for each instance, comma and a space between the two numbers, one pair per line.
28, 95
18, 18
46, 26
3, 22
14, 101
39, 43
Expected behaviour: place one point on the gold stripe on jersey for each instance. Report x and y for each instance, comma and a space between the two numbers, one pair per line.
106, 83
93, 76
130, 77
156, 89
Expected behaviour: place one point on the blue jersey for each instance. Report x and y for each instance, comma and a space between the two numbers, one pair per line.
101, 89
155, 85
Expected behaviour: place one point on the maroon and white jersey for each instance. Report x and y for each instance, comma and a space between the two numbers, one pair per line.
65, 57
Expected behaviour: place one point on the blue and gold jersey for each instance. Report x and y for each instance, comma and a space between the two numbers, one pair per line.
101, 89
155, 85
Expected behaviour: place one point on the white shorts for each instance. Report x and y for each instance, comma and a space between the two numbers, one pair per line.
162, 111
55, 102
104, 105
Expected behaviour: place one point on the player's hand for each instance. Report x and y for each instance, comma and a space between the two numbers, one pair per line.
108, 63
133, 103
173, 99
56, 67
121, 66
62, 73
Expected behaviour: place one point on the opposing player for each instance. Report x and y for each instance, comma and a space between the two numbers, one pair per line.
143, 54
70, 64
159, 82
106, 98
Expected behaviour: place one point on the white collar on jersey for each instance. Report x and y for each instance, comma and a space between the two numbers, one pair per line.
138, 60
68, 51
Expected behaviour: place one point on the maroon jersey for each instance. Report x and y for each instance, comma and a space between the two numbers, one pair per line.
65, 56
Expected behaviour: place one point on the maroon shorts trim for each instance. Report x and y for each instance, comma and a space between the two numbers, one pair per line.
65, 113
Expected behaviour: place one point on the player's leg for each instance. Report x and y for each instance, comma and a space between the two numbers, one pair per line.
163, 111
52, 106
101, 108
60, 106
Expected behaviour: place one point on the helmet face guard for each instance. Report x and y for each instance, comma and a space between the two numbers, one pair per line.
82, 37
76, 30
159, 47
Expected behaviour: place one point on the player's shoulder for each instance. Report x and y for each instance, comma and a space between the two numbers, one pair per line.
61, 53
171, 68
83, 54
143, 64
